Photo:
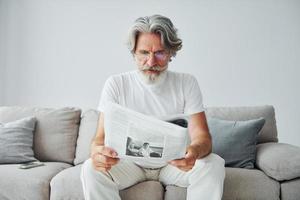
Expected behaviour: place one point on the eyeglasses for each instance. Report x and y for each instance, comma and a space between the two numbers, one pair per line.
145, 55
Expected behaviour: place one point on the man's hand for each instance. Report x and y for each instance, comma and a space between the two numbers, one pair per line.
188, 162
200, 143
103, 158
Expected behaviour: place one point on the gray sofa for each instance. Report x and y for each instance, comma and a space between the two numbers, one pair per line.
62, 138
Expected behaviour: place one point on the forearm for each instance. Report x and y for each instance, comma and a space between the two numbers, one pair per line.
199, 134
203, 147
98, 140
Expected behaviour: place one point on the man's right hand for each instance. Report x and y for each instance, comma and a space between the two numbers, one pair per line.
103, 158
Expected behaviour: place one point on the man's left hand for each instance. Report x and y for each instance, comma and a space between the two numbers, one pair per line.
188, 162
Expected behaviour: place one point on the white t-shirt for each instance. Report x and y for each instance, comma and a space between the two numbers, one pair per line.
175, 93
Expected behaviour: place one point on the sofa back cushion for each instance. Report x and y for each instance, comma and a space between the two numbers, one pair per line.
87, 131
55, 134
269, 131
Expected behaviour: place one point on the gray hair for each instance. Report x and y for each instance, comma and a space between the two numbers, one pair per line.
155, 24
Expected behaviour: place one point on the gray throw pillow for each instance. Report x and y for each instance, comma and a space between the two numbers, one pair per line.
278, 160
235, 141
16, 141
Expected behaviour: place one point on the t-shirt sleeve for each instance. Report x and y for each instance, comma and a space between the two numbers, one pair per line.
109, 93
193, 96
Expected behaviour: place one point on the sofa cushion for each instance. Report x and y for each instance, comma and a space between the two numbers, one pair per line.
290, 189
148, 190
235, 141
67, 185
239, 184
249, 184
16, 140
31, 183
87, 130
56, 130
279, 161
173, 192
267, 134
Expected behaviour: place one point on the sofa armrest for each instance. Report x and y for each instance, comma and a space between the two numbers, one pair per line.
278, 160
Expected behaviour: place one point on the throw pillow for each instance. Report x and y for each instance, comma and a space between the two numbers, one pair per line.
235, 141
278, 160
16, 140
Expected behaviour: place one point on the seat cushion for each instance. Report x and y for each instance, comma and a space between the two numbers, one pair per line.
238, 184
67, 185
175, 193
55, 134
149, 190
31, 183
269, 131
249, 184
290, 189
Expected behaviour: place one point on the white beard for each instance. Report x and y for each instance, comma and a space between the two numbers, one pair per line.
154, 78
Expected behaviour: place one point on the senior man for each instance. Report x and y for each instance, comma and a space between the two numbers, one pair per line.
156, 91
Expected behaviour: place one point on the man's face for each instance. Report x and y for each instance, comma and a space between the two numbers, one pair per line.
151, 57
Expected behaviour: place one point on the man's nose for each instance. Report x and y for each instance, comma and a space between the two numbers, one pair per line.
151, 61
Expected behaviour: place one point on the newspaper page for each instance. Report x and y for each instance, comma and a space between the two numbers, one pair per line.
148, 141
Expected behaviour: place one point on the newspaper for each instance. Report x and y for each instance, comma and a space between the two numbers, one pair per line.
148, 141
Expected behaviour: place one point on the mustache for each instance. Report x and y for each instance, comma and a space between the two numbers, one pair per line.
153, 68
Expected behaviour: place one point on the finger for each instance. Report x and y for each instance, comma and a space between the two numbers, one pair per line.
186, 169
103, 165
179, 162
107, 151
190, 161
108, 160
99, 158
102, 169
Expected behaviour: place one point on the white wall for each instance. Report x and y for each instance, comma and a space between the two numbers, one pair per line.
59, 52
2, 49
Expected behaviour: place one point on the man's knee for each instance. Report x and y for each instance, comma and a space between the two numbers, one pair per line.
219, 164
216, 159
87, 167
212, 163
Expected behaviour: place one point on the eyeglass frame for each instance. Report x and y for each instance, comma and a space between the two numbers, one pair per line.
146, 56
